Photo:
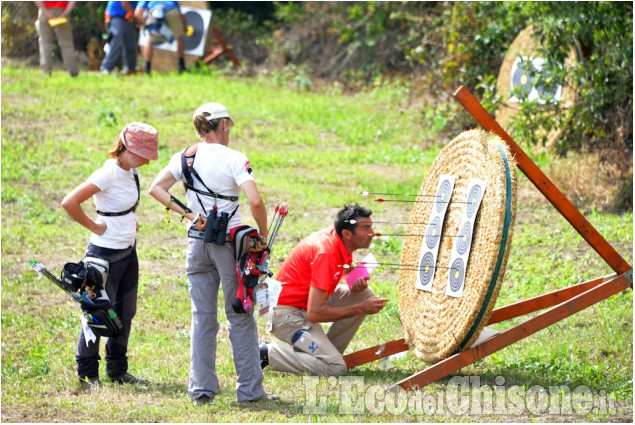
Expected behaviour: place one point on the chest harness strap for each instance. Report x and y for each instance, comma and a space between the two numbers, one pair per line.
187, 165
131, 209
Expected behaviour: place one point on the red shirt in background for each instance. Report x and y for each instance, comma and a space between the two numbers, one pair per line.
55, 4
315, 262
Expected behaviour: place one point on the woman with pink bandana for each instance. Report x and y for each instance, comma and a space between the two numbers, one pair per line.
115, 190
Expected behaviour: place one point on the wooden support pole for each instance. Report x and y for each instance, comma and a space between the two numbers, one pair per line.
544, 185
542, 301
219, 50
510, 336
511, 311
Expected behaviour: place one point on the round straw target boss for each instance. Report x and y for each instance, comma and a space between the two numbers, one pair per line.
463, 281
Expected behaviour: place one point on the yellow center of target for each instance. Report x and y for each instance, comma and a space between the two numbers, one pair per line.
434, 232
190, 31
427, 268
523, 79
456, 274
464, 238
473, 200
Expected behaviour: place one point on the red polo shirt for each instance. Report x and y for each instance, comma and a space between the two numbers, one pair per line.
315, 262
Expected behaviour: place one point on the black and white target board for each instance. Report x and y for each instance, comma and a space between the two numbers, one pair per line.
197, 23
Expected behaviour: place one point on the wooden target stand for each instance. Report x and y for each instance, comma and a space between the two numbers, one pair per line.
215, 52
562, 303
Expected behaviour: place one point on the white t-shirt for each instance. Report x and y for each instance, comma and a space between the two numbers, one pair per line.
118, 192
223, 170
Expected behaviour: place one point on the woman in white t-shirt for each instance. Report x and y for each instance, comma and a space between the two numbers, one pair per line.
115, 190
220, 174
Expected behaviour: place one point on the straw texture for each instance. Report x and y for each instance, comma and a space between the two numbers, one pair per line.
435, 324
526, 45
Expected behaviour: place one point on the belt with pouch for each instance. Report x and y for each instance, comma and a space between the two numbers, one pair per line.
193, 232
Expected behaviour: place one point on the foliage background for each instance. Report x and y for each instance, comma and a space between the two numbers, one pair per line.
432, 48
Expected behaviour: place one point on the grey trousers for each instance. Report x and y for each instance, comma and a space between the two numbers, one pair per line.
123, 40
64, 34
327, 359
208, 266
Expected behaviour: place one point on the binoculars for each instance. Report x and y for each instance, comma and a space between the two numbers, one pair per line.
216, 228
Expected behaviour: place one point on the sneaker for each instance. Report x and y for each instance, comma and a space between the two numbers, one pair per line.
203, 400
127, 378
264, 354
89, 384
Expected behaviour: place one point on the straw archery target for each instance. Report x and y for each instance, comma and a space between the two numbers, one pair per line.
522, 57
435, 324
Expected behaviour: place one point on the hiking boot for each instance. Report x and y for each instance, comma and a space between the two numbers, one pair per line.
264, 354
203, 400
127, 378
89, 384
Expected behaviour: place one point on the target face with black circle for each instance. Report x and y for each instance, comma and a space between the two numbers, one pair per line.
533, 88
195, 30
197, 23
474, 197
426, 269
464, 238
433, 232
521, 79
457, 275
444, 193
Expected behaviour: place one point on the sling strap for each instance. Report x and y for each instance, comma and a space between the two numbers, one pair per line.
187, 166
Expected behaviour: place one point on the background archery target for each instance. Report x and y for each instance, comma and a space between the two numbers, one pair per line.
426, 269
197, 22
436, 325
522, 54
431, 239
530, 86
195, 33
460, 253
464, 238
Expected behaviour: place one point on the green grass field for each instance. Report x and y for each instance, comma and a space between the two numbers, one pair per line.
316, 151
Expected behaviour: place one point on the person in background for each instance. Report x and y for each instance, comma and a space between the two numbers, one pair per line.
54, 17
222, 174
118, 17
115, 189
174, 20
311, 295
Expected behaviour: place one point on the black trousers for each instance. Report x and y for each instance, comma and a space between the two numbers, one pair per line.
121, 287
